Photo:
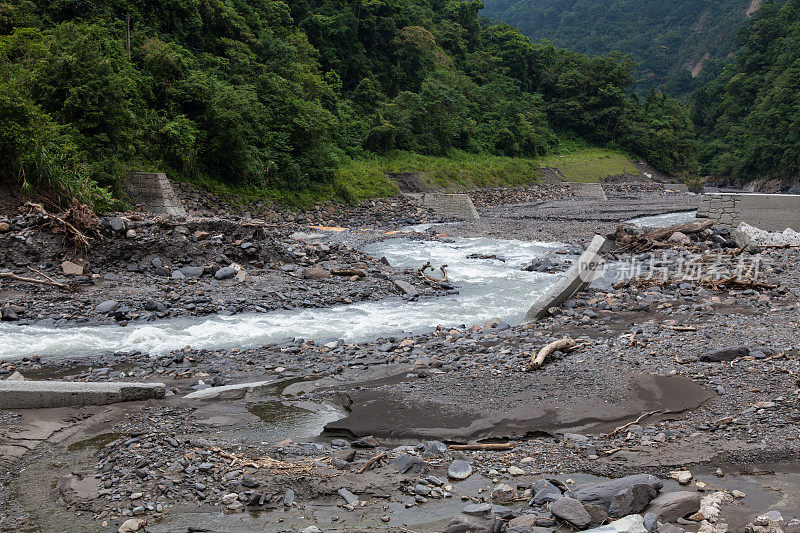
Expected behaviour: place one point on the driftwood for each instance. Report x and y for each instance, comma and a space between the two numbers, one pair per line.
559, 345
629, 242
427, 266
11, 275
489, 446
629, 424
371, 462
736, 283
79, 223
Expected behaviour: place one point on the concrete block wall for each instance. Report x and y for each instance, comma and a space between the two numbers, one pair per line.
677, 187
450, 205
588, 190
770, 212
153, 192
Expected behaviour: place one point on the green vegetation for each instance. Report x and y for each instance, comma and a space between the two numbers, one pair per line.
667, 39
588, 166
271, 97
748, 117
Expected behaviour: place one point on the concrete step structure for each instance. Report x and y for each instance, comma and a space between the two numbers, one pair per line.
45, 394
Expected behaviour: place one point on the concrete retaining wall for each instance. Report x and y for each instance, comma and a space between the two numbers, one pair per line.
771, 212
448, 205
44, 394
153, 192
577, 278
588, 190
677, 187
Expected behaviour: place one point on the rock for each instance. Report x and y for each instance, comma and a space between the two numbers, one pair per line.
288, 497
106, 307
526, 524
515, 471
365, 442
407, 288
680, 238
603, 493
192, 271
132, 525
650, 522
470, 524
8, 314
152, 305
16, 376
545, 492
477, 509
763, 524
631, 500
504, 493
71, 269
572, 511
747, 236
348, 496
726, 354
315, 273
4, 227
598, 513
410, 463
670, 506
630, 524
311, 529
225, 273
459, 469
116, 224
684, 477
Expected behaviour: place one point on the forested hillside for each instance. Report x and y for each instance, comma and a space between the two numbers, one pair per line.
671, 41
749, 118
273, 94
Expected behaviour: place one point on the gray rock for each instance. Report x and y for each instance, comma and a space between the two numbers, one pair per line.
631, 500
106, 307
470, 524
459, 470
288, 498
407, 288
348, 496
544, 492
572, 511
410, 463
526, 524
152, 305
177, 274
315, 273
225, 273
726, 354
650, 522
603, 493
192, 271
116, 224
670, 506
477, 509
630, 524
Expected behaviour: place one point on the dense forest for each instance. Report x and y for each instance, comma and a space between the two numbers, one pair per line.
275, 94
749, 118
671, 41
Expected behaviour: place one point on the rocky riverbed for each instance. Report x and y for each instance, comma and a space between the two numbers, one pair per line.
676, 409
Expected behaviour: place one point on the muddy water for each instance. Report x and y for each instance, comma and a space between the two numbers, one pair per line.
487, 288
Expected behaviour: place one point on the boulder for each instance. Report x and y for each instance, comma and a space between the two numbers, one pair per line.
225, 273
631, 500
572, 511
459, 470
71, 269
544, 492
407, 288
315, 273
671, 506
106, 307
604, 493
192, 271
725, 354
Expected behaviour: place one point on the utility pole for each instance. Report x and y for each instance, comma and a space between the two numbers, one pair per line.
128, 34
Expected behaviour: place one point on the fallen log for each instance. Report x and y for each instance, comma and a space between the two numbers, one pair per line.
370, 462
559, 345
349, 272
629, 424
629, 242
427, 266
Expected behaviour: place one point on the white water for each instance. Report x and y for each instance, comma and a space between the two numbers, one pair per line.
662, 221
487, 289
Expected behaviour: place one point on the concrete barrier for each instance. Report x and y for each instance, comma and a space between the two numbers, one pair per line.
588, 190
44, 394
153, 192
676, 187
771, 212
229, 392
447, 205
577, 278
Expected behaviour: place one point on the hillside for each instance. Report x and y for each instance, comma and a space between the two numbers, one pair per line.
748, 117
678, 45
275, 96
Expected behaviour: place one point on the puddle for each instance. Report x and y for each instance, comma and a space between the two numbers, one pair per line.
98, 441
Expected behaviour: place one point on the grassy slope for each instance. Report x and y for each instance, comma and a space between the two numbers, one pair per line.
361, 179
